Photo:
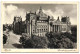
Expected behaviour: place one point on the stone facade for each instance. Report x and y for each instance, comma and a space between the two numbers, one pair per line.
40, 23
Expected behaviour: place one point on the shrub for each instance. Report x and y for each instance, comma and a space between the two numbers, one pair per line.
4, 38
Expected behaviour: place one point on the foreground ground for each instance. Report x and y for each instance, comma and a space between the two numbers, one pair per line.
13, 41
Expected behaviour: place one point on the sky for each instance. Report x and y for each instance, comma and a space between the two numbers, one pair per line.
55, 10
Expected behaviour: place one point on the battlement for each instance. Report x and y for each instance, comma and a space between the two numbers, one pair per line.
17, 18
65, 19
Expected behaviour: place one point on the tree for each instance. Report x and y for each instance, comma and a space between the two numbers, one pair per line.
59, 40
4, 39
66, 43
40, 42
4, 28
23, 39
34, 42
74, 33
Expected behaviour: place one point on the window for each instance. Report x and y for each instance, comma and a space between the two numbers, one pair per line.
33, 31
42, 30
37, 30
46, 29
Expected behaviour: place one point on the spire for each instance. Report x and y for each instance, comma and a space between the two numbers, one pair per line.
40, 10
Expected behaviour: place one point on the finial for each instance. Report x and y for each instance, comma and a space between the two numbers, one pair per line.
40, 10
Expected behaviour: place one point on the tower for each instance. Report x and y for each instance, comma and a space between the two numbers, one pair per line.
17, 25
40, 12
66, 20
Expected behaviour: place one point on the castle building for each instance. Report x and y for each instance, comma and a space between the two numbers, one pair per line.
40, 23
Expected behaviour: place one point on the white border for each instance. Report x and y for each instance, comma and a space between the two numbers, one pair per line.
41, 0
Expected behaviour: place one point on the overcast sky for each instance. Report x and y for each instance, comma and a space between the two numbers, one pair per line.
55, 10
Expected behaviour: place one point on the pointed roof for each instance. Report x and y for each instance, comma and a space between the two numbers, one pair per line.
58, 19
40, 10
41, 13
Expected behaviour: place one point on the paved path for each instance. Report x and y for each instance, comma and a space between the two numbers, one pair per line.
13, 41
